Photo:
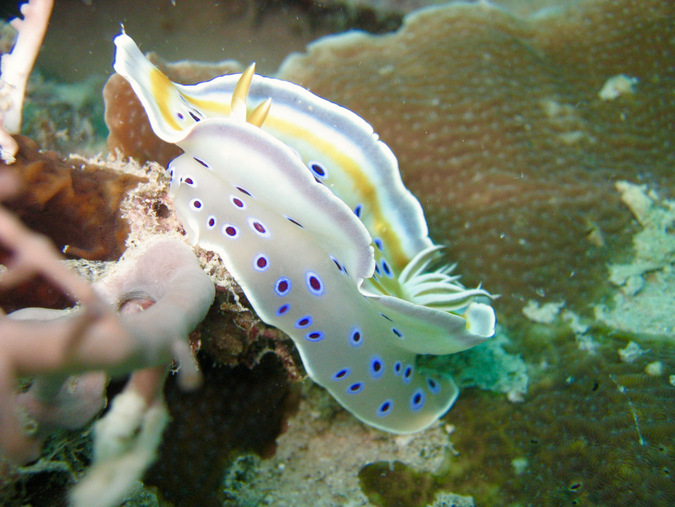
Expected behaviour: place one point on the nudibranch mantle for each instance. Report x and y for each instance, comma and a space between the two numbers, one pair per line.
309, 214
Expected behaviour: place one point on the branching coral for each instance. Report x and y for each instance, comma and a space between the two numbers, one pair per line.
15, 69
67, 351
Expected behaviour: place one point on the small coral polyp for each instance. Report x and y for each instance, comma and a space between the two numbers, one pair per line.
307, 209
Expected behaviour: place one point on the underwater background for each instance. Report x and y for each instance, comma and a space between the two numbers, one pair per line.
538, 137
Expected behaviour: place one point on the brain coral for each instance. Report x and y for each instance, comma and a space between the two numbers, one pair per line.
500, 132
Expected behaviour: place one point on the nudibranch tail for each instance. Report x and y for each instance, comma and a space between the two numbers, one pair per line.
308, 211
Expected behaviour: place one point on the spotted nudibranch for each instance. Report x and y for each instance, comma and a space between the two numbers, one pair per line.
308, 211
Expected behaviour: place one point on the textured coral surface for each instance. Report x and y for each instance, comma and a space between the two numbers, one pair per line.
593, 431
499, 130
74, 203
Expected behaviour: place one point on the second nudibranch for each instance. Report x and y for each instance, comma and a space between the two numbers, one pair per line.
306, 207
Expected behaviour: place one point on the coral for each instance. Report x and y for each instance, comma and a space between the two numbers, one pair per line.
487, 366
396, 485
16, 67
593, 431
72, 201
499, 131
161, 294
643, 304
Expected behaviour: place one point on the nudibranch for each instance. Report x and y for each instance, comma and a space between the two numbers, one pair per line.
307, 209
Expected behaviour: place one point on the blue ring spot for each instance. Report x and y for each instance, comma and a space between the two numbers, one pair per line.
295, 222
376, 367
258, 227
385, 408
356, 338
358, 209
196, 205
315, 336
417, 400
237, 202
314, 283
303, 322
387, 269
378, 244
261, 263
341, 374
434, 386
337, 263
230, 231
200, 161
244, 191
398, 367
318, 169
283, 309
282, 286
407, 374
355, 388
397, 332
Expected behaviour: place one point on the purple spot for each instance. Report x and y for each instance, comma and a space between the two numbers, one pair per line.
303, 322
258, 228
282, 286
194, 117
376, 367
260, 263
230, 230
318, 170
200, 161
407, 374
314, 283
314, 336
294, 222
355, 338
283, 309
196, 204
385, 408
355, 388
237, 202
180, 116
434, 386
417, 400
340, 374
244, 191
337, 263
188, 181
386, 269
211, 222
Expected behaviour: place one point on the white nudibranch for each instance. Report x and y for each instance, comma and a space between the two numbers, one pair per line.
308, 211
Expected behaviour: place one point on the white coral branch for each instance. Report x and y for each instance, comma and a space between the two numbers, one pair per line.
93, 337
15, 67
